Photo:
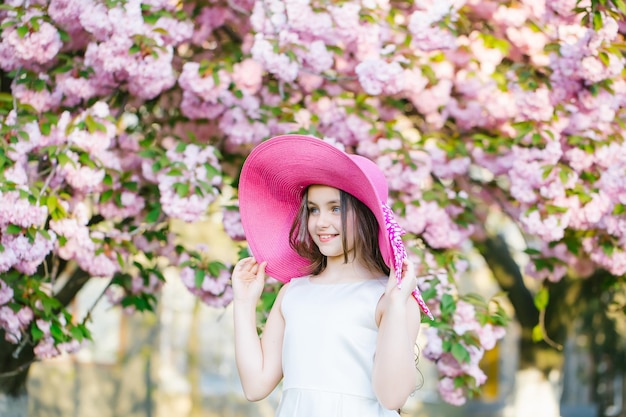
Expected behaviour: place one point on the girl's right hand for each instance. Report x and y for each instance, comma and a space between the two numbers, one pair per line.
248, 279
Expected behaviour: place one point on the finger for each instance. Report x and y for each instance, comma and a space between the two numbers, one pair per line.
392, 278
261, 269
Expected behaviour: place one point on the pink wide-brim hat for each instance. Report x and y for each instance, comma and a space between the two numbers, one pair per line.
273, 180
271, 186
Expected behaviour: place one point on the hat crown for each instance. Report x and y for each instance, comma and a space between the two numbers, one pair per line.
374, 174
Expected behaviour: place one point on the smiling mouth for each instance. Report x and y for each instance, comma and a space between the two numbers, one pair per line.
326, 238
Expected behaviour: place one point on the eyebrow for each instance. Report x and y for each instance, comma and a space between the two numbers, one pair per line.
328, 203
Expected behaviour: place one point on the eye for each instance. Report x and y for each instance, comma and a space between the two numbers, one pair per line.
313, 210
336, 209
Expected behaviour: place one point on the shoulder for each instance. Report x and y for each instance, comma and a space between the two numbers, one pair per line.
294, 282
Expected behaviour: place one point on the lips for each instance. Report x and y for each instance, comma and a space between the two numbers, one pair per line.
326, 238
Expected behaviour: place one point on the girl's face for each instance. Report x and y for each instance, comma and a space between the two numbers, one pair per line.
324, 224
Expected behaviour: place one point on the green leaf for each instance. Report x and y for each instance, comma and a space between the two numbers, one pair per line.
77, 333
22, 31
215, 268
448, 306
106, 196
14, 229
460, 353
57, 332
537, 333
180, 148
93, 125
44, 233
36, 333
597, 20
542, 298
199, 278
154, 214
64, 159
620, 5
182, 189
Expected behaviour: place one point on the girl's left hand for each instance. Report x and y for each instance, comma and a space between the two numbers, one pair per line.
408, 281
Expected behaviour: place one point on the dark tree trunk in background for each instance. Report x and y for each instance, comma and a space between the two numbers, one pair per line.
507, 273
15, 360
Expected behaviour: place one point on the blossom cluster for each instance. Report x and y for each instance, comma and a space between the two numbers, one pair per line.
125, 115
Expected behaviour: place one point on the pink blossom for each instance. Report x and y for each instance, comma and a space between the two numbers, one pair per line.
579, 160
203, 85
140, 284
82, 178
176, 31
19, 211
38, 46
29, 255
207, 21
377, 76
238, 127
25, 316
46, 349
434, 346
562, 7
213, 291
534, 105
278, 64
527, 40
66, 13
6, 293
448, 366
345, 17
231, 219
509, 16
70, 347
430, 100
194, 107
549, 228
103, 22
442, 166
489, 335
153, 75
592, 69
10, 323
318, 58
464, 317
247, 75
130, 205
75, 89
194, 159
449, 393
220, 301
100, 265
42, 100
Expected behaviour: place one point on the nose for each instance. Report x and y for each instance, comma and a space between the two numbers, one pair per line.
322, 219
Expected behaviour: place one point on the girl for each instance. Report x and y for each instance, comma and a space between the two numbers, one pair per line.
342, 330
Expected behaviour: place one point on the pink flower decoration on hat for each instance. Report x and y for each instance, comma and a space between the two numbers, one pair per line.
399, 253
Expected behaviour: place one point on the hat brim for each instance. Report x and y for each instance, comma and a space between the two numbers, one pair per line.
272, 182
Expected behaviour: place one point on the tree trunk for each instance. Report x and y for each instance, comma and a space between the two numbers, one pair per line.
15, 360
507, 273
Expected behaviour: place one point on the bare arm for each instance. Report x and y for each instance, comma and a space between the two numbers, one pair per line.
258, 359
395, 375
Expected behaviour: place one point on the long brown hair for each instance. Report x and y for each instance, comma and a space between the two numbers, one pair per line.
365, 235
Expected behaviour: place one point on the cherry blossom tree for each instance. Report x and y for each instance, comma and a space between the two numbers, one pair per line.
118, 117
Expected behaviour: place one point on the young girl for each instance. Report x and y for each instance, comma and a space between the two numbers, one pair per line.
342, 331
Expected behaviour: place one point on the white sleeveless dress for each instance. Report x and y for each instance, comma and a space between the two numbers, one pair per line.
328, 350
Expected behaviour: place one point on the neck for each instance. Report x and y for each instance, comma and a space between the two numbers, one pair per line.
338, 271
